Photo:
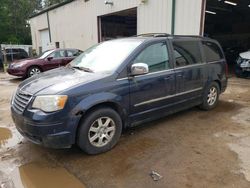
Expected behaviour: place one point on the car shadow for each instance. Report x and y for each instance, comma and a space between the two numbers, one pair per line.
16, 80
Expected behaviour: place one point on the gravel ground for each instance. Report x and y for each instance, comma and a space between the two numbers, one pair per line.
192, 148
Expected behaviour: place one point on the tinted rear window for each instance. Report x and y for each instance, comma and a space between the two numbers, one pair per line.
187, 53
212, 51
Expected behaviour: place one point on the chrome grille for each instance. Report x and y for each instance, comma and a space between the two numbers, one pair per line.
21, 100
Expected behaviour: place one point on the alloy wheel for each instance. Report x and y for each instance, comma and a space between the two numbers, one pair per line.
212, 96
102, 131
34, 71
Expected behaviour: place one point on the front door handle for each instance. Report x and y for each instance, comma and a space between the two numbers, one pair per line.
180, 75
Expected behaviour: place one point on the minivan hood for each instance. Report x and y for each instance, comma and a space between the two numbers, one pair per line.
57, 80
245, 55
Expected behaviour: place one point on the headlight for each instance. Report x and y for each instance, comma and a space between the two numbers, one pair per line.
239, 60
50, 103
245, 64
17, 65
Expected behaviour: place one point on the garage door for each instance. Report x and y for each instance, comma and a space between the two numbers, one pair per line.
45, 41
118, 25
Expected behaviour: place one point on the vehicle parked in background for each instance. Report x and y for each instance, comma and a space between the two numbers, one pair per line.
13, 54
242, 68
118, 84
48, 60
232, 53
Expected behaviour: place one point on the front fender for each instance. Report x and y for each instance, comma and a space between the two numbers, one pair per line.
95, 99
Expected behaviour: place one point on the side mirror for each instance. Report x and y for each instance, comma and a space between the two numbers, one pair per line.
49, 58
139, 69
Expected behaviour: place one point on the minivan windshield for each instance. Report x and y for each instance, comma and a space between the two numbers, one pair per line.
106, 56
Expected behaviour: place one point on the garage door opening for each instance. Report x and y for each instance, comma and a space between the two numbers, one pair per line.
228, 22
118, 25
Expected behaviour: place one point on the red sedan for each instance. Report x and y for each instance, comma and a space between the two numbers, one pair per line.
48, 60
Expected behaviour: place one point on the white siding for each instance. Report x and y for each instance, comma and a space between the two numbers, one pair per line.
155, 17
188, 15
75, 24
38, 24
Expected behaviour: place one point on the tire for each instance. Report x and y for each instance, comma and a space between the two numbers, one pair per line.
33, 71
210, 97
93, 136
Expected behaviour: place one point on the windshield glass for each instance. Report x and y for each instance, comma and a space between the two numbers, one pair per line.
45, 54
107, 56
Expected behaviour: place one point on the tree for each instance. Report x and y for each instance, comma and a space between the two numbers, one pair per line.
14, 15
51, 2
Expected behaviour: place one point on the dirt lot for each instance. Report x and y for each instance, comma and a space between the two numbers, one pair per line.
189, 149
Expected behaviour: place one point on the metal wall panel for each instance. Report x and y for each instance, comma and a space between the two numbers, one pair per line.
155, 16
187, 17
75, 25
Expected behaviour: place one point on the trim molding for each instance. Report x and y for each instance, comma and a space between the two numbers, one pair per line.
167, 97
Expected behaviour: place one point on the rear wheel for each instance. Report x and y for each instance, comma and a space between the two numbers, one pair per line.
34, 71
99, 131
210, 97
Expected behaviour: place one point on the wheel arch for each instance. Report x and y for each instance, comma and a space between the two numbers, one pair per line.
107, 103
29, 67
219, 84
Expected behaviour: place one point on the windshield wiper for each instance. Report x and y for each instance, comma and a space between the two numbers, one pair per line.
83, 69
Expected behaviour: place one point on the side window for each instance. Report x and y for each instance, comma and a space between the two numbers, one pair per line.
155, 56
58, 54
70, 53
187, 53
73, 53
212, 51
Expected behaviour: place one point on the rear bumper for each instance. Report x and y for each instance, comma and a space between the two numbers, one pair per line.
49, 134
224, 85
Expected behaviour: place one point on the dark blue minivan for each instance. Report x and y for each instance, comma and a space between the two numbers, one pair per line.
118, 84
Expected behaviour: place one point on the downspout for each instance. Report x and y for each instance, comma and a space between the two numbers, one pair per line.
203, 16
49, 27
173, 17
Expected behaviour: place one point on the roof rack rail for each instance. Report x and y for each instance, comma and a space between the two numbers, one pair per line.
195, 36
153, 35
169, 35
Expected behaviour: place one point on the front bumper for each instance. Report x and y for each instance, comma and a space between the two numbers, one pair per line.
52, 134
16, 72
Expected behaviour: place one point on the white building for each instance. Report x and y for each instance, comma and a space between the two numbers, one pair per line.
82, 23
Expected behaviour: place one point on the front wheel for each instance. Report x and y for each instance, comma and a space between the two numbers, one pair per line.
210, 97
34, 71
99, 131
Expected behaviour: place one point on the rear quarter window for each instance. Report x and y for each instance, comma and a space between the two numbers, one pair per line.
187, 53
73, 53
212, 51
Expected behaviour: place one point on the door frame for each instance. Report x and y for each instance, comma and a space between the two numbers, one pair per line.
203, 16
99, 21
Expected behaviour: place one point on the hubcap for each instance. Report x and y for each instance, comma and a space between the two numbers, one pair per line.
212, 96
101, 132
34, 71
